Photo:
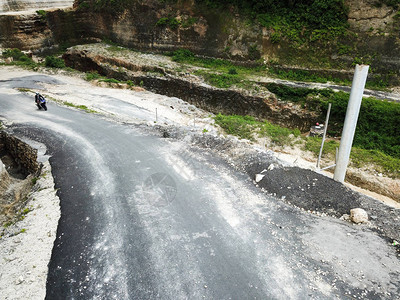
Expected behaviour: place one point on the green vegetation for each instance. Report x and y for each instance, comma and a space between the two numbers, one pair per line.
216, 64
92, 76
241, 126
392, 3
81, 107
42, 13
220, 80
377, 127
19, 216
170, 22
95, 76
112, 6
19, 58
54, 62
299, 22
110, 80
359, 157
218, 72
303, 75
378, 82
34, 180
25, 90
258, 68
174, 23
248, 127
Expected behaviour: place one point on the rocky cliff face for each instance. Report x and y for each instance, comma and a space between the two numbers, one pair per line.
156, 26
11, 6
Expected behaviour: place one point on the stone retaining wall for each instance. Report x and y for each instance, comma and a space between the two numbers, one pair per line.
23, 154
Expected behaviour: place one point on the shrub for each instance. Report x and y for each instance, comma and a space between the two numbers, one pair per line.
92, 76
232, 71
170, 22
54, 62
15, 53
20, 58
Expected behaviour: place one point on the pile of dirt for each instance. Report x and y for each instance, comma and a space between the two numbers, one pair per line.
302, 188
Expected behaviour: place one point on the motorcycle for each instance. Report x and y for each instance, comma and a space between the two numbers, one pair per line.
40, 101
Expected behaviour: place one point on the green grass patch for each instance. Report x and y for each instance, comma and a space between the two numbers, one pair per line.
110, 80
383, 163
358, 157
313, 144
92, 76
305, 75
215, 64
248, 127
241, 126
81, 107
220, 80
95, 76
278, 135
24, 90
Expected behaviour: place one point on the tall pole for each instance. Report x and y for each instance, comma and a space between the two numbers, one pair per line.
350, 122
324, 135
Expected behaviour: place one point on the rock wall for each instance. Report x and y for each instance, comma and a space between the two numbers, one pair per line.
374, 33
25, 32
23, 5
22, 153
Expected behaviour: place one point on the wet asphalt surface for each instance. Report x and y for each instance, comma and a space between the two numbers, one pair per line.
145, 218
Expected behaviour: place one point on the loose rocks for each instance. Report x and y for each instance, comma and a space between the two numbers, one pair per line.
358, 215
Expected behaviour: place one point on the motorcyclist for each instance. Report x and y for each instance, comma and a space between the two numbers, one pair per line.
40, 101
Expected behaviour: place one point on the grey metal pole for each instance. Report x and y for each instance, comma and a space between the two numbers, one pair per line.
350, 122
323, 137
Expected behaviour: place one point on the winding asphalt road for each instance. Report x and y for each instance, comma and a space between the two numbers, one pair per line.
144, 218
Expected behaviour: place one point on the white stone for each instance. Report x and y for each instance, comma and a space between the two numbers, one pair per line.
358, 215
259, 177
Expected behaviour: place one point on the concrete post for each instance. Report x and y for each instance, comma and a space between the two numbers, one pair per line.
350, 122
